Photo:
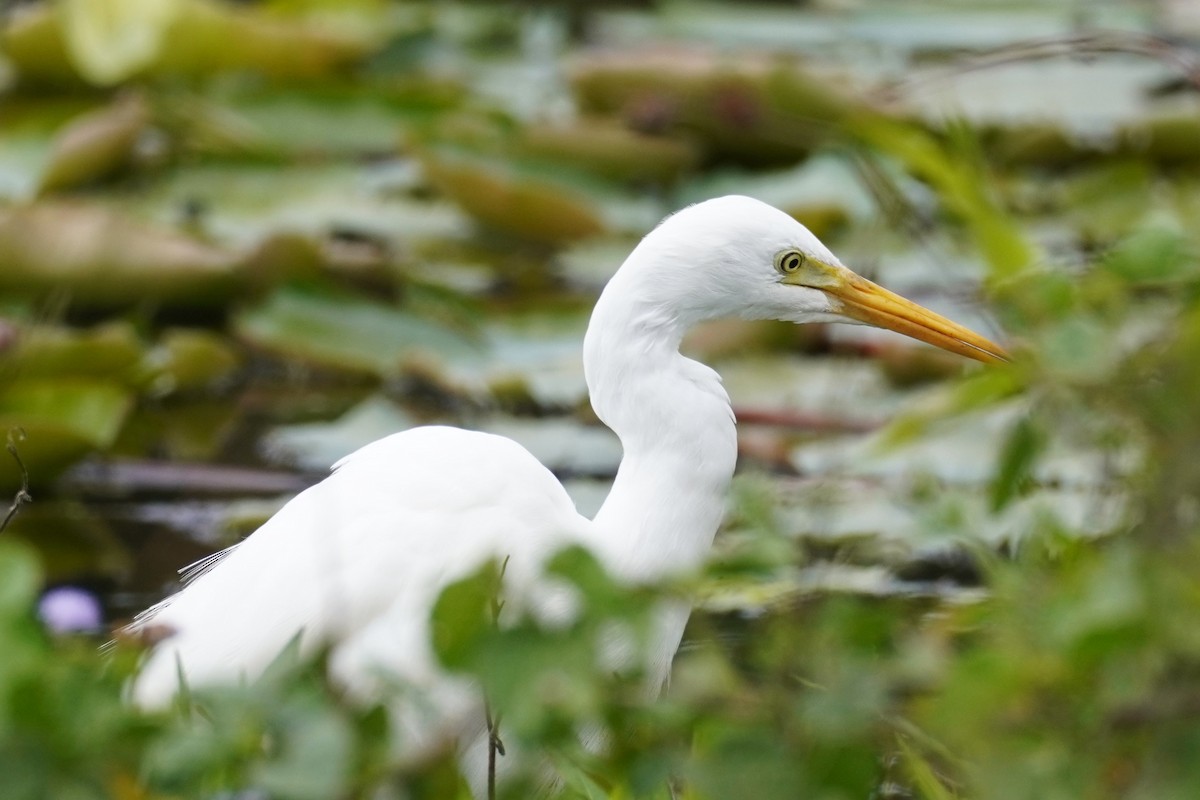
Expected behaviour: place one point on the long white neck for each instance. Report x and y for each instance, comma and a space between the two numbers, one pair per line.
675, 425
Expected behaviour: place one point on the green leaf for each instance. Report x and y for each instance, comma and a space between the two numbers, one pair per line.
316, 751
463, 615
537, 209
1079, 347
95, 145
20, 578
108, 351
341, 330
961, 186
922, 774
1154, 254
983, 389
110, 258
110, 41
187, 359
62, 419
1017, 461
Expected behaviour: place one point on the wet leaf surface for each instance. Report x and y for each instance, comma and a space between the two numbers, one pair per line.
62, 419
95, 145
345, 332
109, 259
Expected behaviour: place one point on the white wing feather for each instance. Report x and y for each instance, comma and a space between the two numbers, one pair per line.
357, 562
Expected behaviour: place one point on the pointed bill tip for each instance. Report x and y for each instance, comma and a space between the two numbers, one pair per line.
867, 302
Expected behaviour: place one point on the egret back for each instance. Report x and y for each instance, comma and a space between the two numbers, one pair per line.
357, 562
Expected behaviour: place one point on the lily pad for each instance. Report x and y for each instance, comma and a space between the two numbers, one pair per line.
111, 41
103, 258
851, 390
822, 192
346, 332
104, 44
611, 150
62, 420
563, 444
244, 204
33, 43
318, 445
961, 451
110, 351
188, 359
536, 208
95, 145
757, 112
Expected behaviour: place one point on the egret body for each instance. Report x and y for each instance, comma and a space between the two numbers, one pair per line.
357, 561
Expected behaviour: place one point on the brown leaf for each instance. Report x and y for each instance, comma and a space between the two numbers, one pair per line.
95, 146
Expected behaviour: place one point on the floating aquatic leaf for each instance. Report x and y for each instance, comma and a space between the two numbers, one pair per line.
852, 390
563, 444
211, 37
110, 351
188, 428
106, 43
1167, 138
535, 208
317, 446
304, 122
610, 150
100, 258
91, 409
95, 145
754, 111
192, 359
823, 192
346, 332
113, 40
33, 42
63, 420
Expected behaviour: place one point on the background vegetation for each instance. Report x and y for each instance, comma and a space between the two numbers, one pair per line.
239, 240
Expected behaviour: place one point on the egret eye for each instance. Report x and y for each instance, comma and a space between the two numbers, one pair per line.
789, 261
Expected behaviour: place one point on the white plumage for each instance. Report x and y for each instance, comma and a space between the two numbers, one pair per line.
358, 560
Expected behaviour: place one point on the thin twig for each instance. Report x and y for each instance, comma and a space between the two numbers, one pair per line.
495, 744
1084, 44
22, 497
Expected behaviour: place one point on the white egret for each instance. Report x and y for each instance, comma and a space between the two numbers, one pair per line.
357, 561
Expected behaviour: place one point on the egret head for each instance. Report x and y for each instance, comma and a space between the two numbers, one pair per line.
736, 256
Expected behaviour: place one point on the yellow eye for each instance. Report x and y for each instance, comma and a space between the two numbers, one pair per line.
789, 261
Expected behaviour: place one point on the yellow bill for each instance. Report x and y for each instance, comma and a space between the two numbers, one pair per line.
860, 299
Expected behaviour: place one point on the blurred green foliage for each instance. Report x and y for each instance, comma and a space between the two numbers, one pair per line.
1074, 677
1072, 673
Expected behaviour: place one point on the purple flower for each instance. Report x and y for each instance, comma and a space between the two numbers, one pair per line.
69, 609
